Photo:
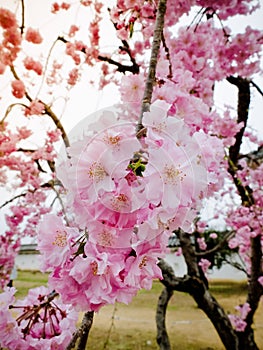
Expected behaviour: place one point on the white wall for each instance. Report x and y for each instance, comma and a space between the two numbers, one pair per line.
32, 262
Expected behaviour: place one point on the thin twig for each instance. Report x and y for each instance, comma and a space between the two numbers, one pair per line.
23, 17
13, 199
106, 343
9, 109
46, 65
122, 68
220, 245
257, 87
166, 48
157, 37
48, 111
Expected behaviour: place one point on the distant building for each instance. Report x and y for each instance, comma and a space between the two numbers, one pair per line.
28, 258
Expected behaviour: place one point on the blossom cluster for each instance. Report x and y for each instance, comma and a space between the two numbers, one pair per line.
238, 321
36, 322
247, 221
126, 195
8, 251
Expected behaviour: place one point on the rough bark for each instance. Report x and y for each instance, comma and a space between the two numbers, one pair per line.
197, 288
246, 338
162, 335
82, 333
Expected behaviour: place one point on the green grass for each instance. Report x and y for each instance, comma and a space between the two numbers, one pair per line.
133, 326
29, 279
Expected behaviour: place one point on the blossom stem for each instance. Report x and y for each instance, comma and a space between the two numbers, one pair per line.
157, 38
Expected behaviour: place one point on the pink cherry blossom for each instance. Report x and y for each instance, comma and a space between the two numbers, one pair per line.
18, 88
31, 64
204, 264
7, 19
30, 326
33, 36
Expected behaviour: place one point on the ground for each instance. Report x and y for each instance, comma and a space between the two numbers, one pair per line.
132, 327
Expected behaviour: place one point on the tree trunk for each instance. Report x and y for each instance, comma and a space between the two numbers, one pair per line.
162, 335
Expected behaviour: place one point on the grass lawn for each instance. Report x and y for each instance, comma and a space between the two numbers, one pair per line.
122, 327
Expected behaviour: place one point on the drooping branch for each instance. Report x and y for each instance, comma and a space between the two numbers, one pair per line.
23, 17
9, 109
50, 184
157, 37
57, 122
47, 110
107, 340
82, 333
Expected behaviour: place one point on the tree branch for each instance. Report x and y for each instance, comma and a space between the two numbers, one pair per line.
219, 246
48, 111
162, 335
122, 68
255, 289
257, 87
82, 333
23, 17
170, 280
242, 110
255, 158
157, 37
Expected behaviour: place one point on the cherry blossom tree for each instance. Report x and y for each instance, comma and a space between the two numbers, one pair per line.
105, 205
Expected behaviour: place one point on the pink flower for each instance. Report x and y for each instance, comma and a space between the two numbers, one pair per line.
260, 280
35, 108
55, 7
18, 88
31, 64
201, 242
73, 76
33, 36
237, 323
65, 5
35, 322
55, 240
7, 19
72, 31
131, 88
204, 264
2, 68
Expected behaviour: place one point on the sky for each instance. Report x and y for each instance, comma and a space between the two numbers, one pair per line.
85, 100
